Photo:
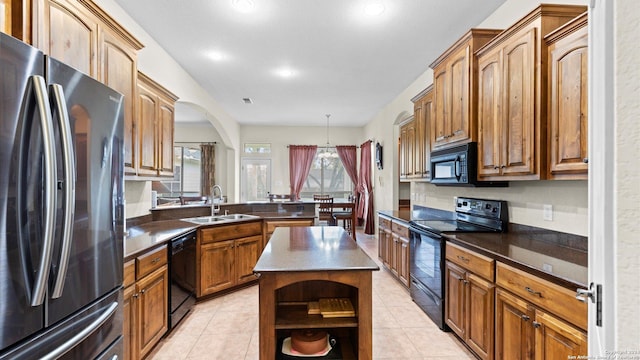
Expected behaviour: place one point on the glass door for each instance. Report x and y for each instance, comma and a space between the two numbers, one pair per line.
255, 180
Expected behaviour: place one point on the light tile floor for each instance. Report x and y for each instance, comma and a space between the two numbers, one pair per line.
227, 327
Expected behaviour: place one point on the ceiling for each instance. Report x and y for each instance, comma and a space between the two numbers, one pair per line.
298, 60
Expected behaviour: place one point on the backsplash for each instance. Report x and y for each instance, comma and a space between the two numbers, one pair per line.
569, 201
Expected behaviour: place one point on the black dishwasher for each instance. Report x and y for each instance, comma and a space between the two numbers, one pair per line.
182, 268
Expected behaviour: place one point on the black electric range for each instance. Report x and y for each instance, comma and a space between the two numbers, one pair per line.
427, 248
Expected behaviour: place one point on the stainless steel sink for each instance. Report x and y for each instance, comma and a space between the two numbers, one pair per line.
220, 218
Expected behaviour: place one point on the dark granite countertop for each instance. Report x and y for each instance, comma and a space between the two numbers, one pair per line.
544, 253
147, 236
555, 256
312, 248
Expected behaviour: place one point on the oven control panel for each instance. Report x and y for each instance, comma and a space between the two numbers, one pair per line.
495, 209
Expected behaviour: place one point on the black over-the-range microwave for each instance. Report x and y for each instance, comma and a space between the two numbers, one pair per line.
458, 166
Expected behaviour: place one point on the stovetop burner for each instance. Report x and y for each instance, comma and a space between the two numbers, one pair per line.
472, 215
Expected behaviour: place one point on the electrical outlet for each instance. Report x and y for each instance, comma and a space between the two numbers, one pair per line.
547, 212
547, 267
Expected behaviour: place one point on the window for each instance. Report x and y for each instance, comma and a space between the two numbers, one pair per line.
327, 176
186, 173
253, 148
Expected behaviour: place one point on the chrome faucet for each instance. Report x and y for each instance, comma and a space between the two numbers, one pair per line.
215, 201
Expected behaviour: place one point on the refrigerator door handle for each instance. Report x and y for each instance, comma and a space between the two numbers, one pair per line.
68, 160
39, 88
79, 337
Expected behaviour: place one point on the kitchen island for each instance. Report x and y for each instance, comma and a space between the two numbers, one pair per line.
304, 264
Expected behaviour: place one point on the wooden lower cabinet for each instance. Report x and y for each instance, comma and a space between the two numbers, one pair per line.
525, 325
469, 300
227, 255
393, 248
146, 303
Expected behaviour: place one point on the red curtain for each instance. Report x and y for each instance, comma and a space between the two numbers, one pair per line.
365, 189
349, 157
300, 160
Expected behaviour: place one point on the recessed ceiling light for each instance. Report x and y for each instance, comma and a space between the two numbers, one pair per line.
247, 100
243, 6
217, 56
285, 72
374, 8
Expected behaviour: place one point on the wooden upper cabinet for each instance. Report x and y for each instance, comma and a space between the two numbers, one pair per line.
568, 116
422, 107
407, 149
512, 96
119, 71
453, 117
15, 19
67, 31
155, 120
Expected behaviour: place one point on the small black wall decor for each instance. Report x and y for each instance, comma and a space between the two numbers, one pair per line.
379, 156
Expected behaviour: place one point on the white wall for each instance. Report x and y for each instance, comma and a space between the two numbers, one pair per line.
281, 136
627, 130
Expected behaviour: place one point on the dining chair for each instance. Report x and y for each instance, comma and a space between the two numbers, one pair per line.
325, 208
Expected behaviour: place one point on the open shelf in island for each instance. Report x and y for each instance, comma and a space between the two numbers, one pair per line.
297, 267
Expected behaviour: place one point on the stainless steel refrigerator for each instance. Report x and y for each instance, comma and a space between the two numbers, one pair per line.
61, 210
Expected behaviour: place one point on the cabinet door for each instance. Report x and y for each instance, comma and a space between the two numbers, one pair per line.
490, 113
216, 267
480, 316
403, 163
418, 153
519, 62
514, 330
439, 129
556, 339
427, 107
404, 261
130, 323
147, 131
411, 150
455, 298
67, 32
394, 254
458, 106
153, 306
247, 254
119, 69
568, 107
381, 243
165, 128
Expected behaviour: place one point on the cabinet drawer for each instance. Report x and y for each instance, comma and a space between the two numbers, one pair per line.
147, 263
549, 296
231, 231
272, 225
400, 229
129, 273
476, 263
384, 223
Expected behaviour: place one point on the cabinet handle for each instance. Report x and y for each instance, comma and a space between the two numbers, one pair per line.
496, 167
135, 296
143, 291
155, 260
533, 292
525, 317
503, 166
462, 258
536, 324
585, 160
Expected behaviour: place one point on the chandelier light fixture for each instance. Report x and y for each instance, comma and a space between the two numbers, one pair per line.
327, 154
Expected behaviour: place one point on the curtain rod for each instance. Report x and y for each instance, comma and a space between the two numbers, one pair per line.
330, 146
197, 142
